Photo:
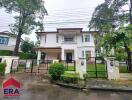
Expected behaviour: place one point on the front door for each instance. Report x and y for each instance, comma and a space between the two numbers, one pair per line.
69, 57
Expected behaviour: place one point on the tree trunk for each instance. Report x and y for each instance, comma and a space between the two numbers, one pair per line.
129, 59
16, 50
130, 11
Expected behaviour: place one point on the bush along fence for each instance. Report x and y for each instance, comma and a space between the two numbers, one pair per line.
2, 69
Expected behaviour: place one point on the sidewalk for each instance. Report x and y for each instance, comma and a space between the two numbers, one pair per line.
107, 85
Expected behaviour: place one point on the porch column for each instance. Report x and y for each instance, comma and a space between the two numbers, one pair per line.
75, 54
38, 57
62, 54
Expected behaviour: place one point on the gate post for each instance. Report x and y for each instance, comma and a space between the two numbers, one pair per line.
81, 67
112, 69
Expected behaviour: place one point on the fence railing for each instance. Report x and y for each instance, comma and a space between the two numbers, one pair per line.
37, 66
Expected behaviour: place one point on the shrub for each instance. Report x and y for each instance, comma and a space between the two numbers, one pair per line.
2, 68
5, 53
121, 56
70, 77
99, 58
56, 70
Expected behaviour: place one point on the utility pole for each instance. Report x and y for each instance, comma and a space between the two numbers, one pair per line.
130, 11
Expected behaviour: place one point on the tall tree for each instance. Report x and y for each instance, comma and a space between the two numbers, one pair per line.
121, 38
108, 15
102, 18
28, 46
29, 15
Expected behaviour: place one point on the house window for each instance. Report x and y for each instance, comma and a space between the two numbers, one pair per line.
82, 38
4, 40
68, 38
87, 38
88, 54
45, 38
57, 39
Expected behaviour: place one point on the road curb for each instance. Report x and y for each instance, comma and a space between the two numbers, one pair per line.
99, 88
116, 89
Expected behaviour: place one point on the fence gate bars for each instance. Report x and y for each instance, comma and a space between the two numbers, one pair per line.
38, 66
29, 66
96, 67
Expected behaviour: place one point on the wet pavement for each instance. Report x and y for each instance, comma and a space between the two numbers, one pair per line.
37, 88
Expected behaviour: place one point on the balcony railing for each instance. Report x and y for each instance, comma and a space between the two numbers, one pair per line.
69, 42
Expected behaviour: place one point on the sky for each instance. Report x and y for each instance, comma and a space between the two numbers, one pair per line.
61, 14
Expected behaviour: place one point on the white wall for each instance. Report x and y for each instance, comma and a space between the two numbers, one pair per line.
12, 41
50, 40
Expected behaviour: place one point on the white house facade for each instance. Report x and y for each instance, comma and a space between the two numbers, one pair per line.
7, 41
66, 44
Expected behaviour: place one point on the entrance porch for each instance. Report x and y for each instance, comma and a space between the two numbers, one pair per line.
68, 55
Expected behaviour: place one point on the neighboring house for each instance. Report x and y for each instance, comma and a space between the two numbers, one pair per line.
66, 44
7, 41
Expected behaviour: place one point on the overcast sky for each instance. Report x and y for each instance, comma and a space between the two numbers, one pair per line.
61, 13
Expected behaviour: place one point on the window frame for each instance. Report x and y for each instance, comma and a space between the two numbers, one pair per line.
87, 38
4, 40
57, 39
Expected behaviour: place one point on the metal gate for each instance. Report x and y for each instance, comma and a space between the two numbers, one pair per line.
96, 67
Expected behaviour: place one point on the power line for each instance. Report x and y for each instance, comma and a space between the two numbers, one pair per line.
73, 9
70, 20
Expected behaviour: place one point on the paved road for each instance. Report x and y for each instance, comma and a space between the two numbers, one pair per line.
32, 89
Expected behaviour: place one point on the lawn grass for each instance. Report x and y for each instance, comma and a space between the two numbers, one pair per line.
91, 70
101, 70
100, 67
70, 68
123, 69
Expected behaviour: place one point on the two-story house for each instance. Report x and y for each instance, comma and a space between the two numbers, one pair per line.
7, 41
66, 44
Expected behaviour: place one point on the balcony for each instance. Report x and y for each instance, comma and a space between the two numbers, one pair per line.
69, 42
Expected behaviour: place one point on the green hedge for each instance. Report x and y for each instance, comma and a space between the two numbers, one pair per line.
5, 53
2, 68
21, 54
56, 70
70, 77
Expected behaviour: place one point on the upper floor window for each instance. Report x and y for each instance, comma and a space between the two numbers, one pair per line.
45, 38
4, 40
68, 38
86, 38
57, 39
